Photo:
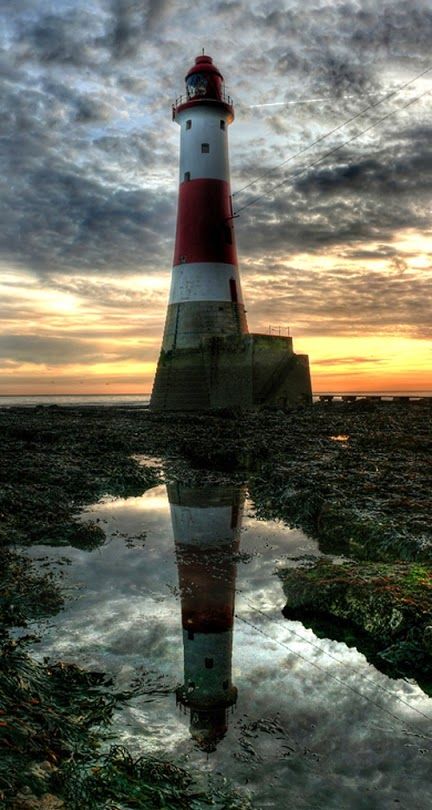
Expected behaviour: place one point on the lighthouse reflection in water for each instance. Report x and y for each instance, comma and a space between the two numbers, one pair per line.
206, 525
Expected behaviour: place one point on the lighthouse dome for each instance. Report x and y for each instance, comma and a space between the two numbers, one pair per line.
204, 80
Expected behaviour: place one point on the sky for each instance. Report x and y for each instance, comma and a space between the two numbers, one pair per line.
338, 248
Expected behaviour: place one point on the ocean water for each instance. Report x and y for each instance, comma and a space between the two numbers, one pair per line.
132, 400
137, 400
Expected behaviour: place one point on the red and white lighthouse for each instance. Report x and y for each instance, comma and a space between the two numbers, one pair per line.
208, 359
206, 526
205, 297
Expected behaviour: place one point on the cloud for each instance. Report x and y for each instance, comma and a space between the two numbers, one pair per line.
52, 351
346, 300
74, 202
133, 21
71, 38
349, 201
340, 360
89, 155
66, 209
64, 351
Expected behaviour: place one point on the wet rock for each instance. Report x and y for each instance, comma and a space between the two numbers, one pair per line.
427, 638
390, 603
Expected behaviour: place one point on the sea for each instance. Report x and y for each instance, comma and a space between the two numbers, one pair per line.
142, 400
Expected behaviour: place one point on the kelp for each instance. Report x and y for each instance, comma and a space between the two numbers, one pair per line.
119, 780
53, 463
48, 715
24, 593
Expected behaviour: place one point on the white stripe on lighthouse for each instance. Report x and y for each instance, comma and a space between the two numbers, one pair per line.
208, 682
205, 128
202, 526
204, 281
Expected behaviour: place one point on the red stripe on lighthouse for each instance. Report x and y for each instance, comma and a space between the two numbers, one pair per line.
204, 223
207, 579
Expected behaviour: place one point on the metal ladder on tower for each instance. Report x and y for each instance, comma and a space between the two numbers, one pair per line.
275, 379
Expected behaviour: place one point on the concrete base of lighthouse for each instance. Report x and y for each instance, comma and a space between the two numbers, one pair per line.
232, 371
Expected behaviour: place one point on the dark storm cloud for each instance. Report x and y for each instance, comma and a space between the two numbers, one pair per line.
70, 38
395, 27
330, 45
58, 213
340, 42
132, 22
355, 199
66, 220
76, 174
70, 194
90, 35
53, 351
379, 252
397, 169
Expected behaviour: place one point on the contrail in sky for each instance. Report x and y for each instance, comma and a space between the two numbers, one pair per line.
299, 101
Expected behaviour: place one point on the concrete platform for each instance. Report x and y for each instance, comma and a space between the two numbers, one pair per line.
234, 371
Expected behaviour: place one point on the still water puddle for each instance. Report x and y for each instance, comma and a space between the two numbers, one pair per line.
184, 594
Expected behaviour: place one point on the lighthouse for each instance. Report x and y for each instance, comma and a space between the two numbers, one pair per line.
206, 526
208, 359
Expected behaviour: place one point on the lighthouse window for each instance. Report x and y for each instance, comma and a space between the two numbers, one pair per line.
222, 124
188, 124
228, 234
205, 147
196, 85
190, 635
209, 663
187, 176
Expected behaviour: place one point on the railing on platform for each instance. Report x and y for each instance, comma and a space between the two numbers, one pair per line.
184, 98
281, 331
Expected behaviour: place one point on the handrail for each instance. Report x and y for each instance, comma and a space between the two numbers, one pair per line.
281, 331
184, 98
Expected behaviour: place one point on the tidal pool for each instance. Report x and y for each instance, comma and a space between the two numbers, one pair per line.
183, 594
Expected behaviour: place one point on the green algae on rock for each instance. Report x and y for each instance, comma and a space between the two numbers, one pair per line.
391, 604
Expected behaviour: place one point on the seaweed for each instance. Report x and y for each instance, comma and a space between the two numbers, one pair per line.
117, 778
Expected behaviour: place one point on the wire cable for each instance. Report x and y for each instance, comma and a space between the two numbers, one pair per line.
343, 664
334, 677
332, 151
336, 129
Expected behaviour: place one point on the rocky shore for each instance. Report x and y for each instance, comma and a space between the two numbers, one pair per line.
356, 476
384, 609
